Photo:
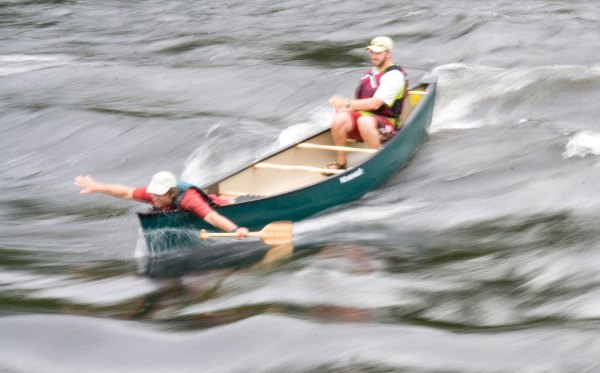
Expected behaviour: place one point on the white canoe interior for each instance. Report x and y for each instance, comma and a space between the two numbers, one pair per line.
302, 164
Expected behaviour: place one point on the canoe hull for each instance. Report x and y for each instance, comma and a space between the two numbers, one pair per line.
164, 230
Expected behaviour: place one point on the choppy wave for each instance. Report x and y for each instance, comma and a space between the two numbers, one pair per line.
480, 256
474, 96
331, 347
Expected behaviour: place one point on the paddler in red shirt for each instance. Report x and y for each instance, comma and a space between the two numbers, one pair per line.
164, 194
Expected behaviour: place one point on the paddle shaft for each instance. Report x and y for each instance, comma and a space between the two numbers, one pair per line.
276, 233
220, 234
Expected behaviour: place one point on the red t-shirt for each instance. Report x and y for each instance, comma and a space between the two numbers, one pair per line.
191, 201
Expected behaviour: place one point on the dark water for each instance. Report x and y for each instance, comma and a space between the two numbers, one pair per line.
481, 256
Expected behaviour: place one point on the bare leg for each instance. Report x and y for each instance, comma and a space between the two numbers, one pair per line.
369, 132
341, 125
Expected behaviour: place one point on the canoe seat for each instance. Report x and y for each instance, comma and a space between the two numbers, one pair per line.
297, 168
410, 101
308, 145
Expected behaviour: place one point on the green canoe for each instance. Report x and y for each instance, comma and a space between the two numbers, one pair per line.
289, 183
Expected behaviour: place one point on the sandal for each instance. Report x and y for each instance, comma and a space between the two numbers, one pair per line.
334, 166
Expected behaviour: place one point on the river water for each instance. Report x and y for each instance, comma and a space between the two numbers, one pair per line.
481, 255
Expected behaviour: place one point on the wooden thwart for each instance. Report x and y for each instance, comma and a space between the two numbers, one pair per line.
297, 168
276, 233
233, 194
336, 148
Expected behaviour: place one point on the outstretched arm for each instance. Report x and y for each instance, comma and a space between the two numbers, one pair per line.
90, 186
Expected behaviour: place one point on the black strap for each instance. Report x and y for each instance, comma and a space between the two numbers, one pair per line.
397, 106
177, 200
390, 68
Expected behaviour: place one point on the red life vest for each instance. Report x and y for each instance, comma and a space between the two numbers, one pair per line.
369, 84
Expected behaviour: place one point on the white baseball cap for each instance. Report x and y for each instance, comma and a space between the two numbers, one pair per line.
161, 183
380, 44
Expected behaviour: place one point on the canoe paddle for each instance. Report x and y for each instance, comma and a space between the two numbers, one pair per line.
276, 233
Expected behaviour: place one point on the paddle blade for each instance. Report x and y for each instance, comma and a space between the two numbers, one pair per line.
277, 233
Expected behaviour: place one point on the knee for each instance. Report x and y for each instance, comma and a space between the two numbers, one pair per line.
340, 121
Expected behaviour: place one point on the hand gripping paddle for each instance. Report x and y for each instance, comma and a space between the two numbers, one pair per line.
276, 233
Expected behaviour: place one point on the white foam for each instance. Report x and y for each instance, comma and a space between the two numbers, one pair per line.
465, 88
319, 119
197, 163
141, 249
581, 144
